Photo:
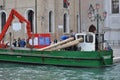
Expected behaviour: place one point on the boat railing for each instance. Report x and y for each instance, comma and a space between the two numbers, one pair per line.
114, 43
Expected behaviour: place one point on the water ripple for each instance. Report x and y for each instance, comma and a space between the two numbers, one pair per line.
34, 72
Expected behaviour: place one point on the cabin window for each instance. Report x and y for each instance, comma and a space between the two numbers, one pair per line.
81, 36
89, 38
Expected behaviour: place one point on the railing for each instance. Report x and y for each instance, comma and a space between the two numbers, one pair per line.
114, 43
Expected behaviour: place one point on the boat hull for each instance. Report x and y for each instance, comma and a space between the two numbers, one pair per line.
59, 58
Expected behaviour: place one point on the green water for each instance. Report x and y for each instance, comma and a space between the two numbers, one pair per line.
37, 72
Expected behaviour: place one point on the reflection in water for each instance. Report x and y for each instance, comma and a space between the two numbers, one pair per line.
34, 72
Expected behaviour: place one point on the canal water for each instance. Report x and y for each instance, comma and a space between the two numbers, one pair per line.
36, 72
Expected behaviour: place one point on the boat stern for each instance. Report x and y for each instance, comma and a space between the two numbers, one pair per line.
107, 57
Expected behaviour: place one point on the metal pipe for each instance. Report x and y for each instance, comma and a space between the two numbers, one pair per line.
10, 34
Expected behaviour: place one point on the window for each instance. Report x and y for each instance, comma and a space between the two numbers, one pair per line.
115, 6
3, 19
50, 26
89, 38
80, 36
65, 23
65, 3
92, 28
78, 24
50, 21
31, 19
66, 27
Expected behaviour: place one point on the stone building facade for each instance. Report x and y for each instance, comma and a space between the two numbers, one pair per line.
46, 16
113, 22
50, 16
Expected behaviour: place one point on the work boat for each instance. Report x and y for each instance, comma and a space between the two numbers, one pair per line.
84, 50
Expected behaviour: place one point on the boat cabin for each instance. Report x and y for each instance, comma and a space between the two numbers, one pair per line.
91, 41
88, 43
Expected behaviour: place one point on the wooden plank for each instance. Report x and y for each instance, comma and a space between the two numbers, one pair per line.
57, 44
69, 44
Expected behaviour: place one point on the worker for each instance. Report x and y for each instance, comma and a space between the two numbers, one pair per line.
22, 43
28, 44
19, 42
55, 41
14, 43
64, 37
72, 34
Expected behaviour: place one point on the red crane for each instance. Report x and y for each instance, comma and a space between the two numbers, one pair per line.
13, 14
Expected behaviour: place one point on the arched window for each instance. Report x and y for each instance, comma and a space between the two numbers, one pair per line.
78, 24
3, 20
92, 28
65, 23
51, 21
30, 16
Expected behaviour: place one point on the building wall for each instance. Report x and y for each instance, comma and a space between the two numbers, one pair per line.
43, 7
112, 24
85, 21
1, 2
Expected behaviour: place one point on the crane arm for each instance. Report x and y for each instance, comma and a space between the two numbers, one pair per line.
9, 21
